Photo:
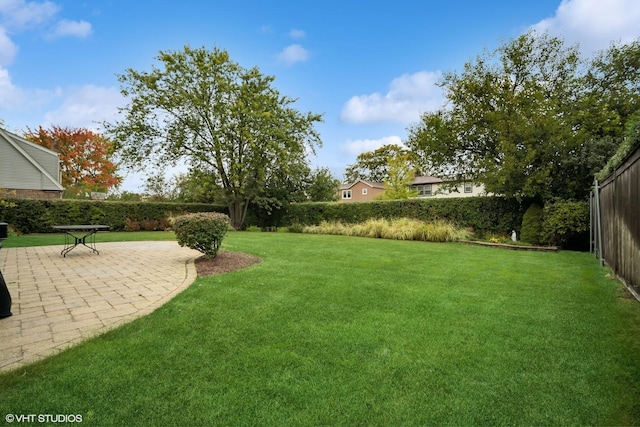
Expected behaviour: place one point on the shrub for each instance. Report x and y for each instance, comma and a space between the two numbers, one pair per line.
566, 222
202, 231
296, 228
531, 231
6, 194
131, 225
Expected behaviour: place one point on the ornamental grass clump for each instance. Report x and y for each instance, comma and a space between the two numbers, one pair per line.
202, 231
396, 229
440, 231
375, 228
326, 227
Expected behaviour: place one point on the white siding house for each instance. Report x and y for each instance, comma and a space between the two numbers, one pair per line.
28, 169
429, 186
426, 186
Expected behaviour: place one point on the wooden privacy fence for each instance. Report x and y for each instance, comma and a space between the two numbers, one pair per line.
615, 221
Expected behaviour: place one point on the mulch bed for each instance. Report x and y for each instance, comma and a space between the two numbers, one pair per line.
224, 262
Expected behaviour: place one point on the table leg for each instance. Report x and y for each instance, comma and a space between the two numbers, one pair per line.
68, 247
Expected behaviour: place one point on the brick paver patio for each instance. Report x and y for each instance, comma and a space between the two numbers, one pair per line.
58, 302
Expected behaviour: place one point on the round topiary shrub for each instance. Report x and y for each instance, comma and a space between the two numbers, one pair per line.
202, 231
531, 231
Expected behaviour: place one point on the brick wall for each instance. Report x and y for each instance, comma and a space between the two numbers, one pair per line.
33, 194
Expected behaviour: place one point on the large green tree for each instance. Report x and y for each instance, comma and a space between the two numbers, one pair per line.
218, 117
373, 165
198, 187
525, 119
613, 89
397, 185
322, 186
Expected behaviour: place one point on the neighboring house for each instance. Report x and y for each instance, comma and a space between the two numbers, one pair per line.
27, 169
426, 186
429, 186
360, 191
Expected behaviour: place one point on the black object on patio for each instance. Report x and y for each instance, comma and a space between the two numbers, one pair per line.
5, 296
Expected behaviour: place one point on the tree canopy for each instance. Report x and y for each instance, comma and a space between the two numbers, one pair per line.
397, 184
631, 143
322, 186
220, 118
374, 165
530, 119
87, 158
613, 89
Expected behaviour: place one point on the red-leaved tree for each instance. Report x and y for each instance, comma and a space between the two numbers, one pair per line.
85, 156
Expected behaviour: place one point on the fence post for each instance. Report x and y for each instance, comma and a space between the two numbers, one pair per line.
592, 246
598, 236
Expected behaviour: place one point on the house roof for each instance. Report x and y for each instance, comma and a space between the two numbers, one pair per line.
420, 180
372, 184
24, 161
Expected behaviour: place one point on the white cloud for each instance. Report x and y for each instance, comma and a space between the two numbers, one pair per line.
594, 24
72, 28
20, 101
408, 97
292, 54
76, 107
358, 146
8, 50
10, 95
86, 106
297, 34
18, 14
28, 104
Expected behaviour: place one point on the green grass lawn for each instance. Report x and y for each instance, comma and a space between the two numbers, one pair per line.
332, 330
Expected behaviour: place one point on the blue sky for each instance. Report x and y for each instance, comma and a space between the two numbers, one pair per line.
369, 67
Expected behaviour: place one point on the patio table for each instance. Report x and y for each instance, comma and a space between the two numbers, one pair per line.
75, 235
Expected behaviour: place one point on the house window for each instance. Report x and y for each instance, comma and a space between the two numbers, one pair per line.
346, 194
364, 191
424, 190
468, 187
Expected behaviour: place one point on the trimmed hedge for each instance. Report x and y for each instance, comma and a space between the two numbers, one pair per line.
38, 216
482, 214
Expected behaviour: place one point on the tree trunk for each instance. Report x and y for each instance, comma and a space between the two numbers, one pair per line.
237, 213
